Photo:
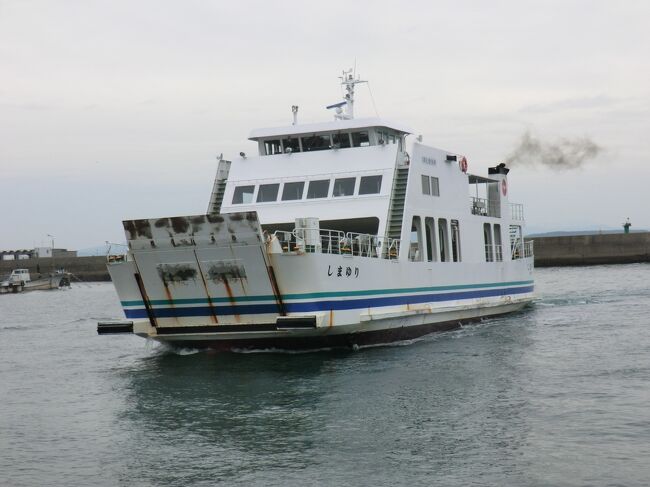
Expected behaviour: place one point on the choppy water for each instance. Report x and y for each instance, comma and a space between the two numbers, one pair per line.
556, 395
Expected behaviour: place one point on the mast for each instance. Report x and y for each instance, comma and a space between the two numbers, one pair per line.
348, 80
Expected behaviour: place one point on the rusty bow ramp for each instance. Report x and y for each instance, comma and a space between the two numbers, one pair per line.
201, 270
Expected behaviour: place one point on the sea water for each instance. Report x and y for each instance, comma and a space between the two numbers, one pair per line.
557, 394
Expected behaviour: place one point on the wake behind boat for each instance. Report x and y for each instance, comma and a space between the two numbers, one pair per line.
344, 233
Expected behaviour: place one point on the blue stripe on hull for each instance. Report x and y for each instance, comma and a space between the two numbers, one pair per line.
324, 305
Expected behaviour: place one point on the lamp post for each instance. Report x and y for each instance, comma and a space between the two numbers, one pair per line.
52, 237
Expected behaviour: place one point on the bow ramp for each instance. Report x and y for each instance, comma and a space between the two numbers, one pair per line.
195, 272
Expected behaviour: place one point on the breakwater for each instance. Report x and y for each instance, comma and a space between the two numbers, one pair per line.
618, 248
549, 251
84, 268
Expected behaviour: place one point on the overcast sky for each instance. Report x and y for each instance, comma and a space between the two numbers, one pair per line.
111, 110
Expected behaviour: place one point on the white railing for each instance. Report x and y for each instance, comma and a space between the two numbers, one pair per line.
337, 242
517, 211
484, 207
522, 250
493, 253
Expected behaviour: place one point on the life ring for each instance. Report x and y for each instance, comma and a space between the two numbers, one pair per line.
504, 187
463, 164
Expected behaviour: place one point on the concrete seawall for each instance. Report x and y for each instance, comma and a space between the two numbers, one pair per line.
619, 248
84, 268
549, 251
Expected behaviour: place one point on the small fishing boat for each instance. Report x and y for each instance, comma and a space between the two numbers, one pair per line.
21, 280
345, 233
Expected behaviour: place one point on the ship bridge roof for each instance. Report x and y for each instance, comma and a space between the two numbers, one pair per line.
332, 126
474, 179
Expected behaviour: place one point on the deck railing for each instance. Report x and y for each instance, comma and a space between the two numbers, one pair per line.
337, 242
493, 253
522, 250
484, 207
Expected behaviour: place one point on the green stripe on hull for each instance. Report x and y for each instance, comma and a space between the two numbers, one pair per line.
331, 294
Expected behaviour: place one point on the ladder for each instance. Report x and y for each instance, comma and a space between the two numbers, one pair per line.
396, 211
219, 188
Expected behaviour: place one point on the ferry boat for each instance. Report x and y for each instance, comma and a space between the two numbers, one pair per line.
345, 233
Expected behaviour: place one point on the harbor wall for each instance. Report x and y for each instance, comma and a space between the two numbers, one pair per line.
549, 251
83, 268
617, 248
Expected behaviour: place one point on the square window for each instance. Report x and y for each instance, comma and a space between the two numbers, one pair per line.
268, 192
318, 189
360, 139
426, 188
370, 185
293, 144
243, 195
315, 143
272, 147
293, 191
344, 187
341, 140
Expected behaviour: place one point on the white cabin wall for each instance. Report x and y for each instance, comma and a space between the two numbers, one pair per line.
305, 166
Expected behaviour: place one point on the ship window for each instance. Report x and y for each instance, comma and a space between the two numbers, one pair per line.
392, 139
268, 192
443, 233
370, 185
318, 189
430, 232
415, 248
294, 144
293, 191
487, 238
435, 186
272, 147
344, 187
430, 185
341, 140
426, 188
455, 241
498, 249
315, 142
243, 194
360, 139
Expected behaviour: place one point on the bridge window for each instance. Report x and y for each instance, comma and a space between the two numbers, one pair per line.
272, 147
243, 195
341, 140
268, 192
316, 142
294, 144
360, 139
293, 191
370, 185
318, 189
344, 187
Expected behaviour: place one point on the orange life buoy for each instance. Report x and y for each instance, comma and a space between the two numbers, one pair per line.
463, 164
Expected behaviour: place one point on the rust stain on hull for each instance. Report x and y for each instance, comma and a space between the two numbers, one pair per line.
231, 297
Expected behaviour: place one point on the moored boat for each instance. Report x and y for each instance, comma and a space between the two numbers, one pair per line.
343, 233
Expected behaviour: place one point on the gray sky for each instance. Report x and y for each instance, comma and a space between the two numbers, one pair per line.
116, 109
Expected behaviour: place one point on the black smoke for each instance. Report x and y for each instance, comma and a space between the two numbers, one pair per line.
563, 154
